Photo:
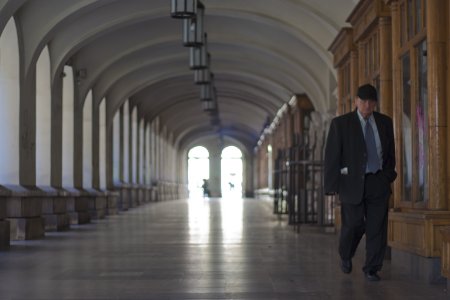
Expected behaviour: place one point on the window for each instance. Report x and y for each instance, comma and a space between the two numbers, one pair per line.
406, 124
414, 115
422, 121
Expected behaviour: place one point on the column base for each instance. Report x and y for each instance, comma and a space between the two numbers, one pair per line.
111, 203
57, 222
78, 210
78, 218
124, 199
141, 195
419, 267
97, 207
27, 228
4, 235
134, 201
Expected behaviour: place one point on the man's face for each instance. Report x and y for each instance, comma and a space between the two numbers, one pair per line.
365, 107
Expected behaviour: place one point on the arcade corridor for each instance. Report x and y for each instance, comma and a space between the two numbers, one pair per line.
101, 102
193, 249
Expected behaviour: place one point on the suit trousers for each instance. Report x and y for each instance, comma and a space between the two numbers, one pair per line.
370, 216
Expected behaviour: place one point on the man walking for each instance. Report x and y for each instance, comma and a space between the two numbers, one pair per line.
360, 167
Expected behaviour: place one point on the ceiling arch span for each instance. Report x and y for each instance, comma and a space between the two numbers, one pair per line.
227, 141
153, 26
263, 52
154, 99
177, 120
191, 134
40, 20
7, 10
110, 22
139, 76
277, 24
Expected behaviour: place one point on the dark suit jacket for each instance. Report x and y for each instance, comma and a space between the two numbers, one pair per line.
346, 148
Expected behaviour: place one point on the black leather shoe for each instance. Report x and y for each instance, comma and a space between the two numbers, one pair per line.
346, 265
372, 276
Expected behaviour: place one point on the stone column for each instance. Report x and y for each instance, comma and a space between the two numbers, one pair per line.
95, 144
24, 209
112, 195
123, 202
56, 134
54, 202
247, 170
78, 144
77, 204
122, 145
131, 153
27, 143
109, 149
138, 152
215, 160
97, 199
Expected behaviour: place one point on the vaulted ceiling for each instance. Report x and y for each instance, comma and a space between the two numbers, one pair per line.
262, 53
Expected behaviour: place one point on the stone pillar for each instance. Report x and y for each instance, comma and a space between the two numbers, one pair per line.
215, 160
109, 149
78, 144
95, 144
129, 141
27, 143
122, 145
97, 197
113, 196
56, 134
247, 169
24, 207
54, 206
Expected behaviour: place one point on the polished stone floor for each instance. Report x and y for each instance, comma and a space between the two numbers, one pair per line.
194, 249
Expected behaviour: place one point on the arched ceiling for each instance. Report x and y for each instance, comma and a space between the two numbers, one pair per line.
262, 53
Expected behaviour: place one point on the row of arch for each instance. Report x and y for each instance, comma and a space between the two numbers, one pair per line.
141, 152
133, 162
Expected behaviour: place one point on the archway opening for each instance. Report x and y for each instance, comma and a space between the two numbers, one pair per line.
231, 168
9, 104
198, 170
